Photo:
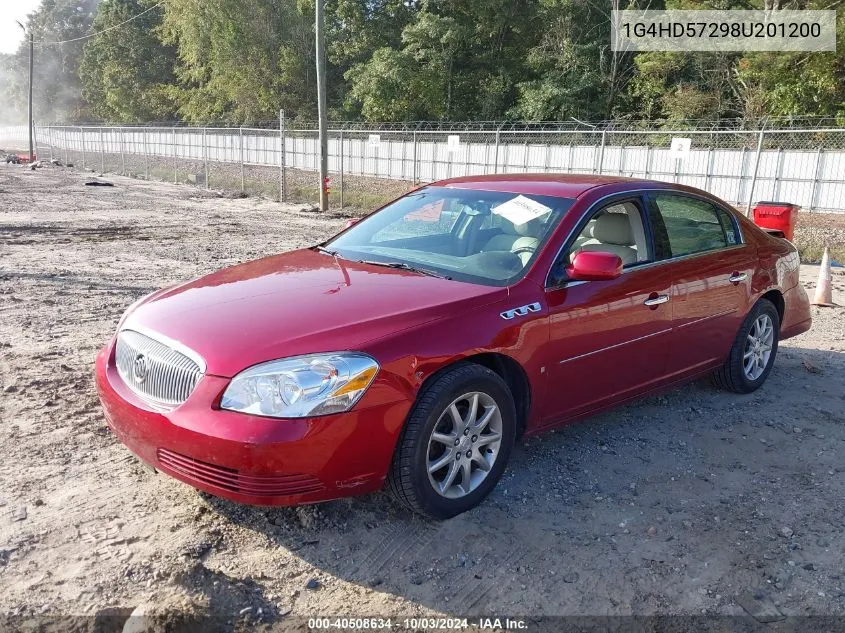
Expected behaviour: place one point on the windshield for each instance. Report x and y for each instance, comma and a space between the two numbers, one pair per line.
487, 237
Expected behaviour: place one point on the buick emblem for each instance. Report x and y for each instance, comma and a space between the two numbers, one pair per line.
140, 368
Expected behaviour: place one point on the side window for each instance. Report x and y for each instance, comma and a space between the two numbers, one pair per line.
692, 225
618, 229
730, 227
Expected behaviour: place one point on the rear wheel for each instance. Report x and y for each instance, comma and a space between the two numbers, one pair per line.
753, 352
456, 443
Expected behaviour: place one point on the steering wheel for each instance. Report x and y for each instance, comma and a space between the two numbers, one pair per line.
524, 249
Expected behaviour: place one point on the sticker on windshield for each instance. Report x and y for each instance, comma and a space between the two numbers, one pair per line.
520, 210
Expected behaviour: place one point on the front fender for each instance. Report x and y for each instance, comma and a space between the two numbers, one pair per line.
414, 355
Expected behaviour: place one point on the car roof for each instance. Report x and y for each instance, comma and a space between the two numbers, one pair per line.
561, 185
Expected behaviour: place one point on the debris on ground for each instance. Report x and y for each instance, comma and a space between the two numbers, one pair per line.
760, 607
99, 183
811, 367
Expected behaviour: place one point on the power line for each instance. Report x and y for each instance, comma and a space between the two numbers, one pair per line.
111, 28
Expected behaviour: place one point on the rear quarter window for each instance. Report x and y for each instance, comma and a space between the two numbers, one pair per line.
692, 225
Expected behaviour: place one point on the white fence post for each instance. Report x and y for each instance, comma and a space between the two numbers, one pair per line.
342, 152
175, 163
122, 154
496, 151
205, 156
146, 154
816, 175
241, 137
601, 152
414, 167
754, 175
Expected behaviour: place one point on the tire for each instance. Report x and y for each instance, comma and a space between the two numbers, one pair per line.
734, 374
409, 480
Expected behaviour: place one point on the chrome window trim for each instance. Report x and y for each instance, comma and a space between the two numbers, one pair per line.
639, 192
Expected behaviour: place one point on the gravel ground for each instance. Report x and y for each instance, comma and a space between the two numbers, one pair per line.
695, 501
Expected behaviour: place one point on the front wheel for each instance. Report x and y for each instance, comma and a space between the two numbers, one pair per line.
455, 444
753, 352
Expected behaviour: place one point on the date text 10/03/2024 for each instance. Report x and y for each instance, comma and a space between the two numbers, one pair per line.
416, 624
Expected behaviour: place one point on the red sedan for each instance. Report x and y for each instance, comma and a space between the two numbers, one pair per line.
413, 348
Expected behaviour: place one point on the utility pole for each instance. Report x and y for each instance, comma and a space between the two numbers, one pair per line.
321, 106
31, 66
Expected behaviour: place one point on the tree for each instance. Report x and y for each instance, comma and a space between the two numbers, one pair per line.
11, 110
458, 59
242, 59
126, 72
793, 84
575, 71
57, 90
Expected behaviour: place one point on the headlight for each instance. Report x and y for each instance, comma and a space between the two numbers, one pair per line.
317, 384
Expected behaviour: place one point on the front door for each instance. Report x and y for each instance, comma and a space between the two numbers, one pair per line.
608, 339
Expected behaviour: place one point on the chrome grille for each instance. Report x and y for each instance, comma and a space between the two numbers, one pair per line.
154, 370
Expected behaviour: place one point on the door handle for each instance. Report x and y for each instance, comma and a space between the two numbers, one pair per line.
737, 277
656, 301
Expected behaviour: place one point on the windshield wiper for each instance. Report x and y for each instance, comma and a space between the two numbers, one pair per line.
404, 266
327, 251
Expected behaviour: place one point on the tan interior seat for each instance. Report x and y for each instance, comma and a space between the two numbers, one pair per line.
612, 233
520, 239
585, 236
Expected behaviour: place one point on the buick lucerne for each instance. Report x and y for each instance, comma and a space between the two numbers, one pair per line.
413, 348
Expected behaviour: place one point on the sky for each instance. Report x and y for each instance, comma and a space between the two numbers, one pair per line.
10, 33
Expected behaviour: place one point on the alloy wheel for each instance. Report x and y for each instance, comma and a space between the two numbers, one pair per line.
758, 347
464, 445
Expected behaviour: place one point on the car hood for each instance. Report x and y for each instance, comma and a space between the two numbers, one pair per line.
298, 303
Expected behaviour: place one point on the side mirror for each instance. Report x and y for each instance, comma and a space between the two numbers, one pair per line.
594, 266
351, 222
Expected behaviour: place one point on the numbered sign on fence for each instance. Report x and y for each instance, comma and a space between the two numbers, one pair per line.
453, 143
680, 147
375, 140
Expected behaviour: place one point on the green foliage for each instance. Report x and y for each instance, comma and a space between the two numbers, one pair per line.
790, 84
392, 60
241, 59
127, 72
57, 90
569, 64
459, 59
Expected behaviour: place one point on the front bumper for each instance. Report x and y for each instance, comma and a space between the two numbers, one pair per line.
251, 459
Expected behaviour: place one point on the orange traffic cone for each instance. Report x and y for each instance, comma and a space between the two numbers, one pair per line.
824, 286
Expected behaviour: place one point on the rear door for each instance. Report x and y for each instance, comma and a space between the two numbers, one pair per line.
701, 247
608, 339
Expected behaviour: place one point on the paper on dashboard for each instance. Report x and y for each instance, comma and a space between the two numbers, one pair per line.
521, 209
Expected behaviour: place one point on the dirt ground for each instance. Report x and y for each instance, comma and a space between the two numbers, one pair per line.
692, 502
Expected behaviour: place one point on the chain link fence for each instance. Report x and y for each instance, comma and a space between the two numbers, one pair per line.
369, 163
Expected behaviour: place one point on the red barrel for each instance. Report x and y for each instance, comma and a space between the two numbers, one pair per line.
777, 215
